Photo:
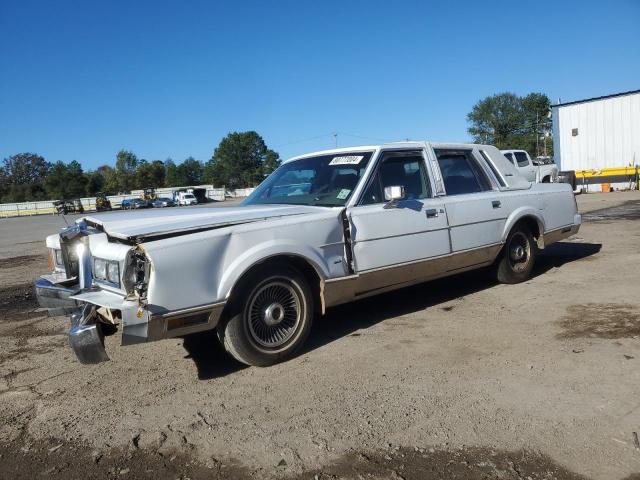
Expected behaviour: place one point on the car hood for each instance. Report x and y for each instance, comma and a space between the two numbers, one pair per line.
150, 224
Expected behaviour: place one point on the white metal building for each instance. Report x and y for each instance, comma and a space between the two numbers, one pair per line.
597, 133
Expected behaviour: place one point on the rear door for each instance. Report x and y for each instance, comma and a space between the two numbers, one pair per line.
393, 245
475, 207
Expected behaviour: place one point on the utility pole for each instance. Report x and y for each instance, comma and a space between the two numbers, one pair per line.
335, 137
537, 135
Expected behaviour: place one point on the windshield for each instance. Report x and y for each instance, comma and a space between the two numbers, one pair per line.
326, 180
189, 196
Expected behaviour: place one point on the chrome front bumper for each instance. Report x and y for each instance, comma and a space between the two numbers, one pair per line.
94, 310
54, 296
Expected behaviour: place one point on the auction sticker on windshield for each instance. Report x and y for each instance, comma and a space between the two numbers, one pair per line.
346, 160
344, 193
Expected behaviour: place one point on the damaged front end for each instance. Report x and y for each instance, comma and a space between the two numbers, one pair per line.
101, 284
104, 285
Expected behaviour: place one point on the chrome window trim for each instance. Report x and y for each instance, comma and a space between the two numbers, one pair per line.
495, 171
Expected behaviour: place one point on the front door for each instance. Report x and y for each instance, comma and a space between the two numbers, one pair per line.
393, 245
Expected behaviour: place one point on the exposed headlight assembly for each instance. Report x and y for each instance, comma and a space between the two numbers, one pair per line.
136, 274
106, 271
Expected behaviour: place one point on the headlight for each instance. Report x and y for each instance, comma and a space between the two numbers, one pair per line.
106, 271
113, 272
100, 268
58, 257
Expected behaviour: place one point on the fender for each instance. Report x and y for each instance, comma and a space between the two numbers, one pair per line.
264, 251
517, 215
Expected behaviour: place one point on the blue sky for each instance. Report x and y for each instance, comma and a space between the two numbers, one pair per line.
81, 80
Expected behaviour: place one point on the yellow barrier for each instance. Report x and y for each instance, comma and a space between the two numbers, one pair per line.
608, 172
26, 212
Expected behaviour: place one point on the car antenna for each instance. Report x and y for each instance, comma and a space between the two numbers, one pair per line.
64, 217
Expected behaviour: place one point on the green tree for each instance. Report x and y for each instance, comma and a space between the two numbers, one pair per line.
66, 181
271, 162
189, 172
107, 181
126, 166
240, 160
536, 108
24, 176
95, 183
56, 181
150, 174
509, 121
76, 180
170, 173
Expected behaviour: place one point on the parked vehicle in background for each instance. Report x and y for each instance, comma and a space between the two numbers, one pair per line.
323, 229
68, 206
148, 194
140, 203
134, 204
199, 193
102, 202
163, 202
532, 171
186, 198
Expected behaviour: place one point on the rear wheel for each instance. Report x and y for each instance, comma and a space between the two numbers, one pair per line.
271, 320
517, 257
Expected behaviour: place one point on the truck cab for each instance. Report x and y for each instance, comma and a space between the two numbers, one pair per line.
520, 159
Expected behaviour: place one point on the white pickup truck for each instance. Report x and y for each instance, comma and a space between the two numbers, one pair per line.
543, 173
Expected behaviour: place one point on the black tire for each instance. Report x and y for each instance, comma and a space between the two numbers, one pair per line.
270, 319
516, 260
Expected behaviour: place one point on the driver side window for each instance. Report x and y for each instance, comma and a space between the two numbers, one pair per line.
404, 169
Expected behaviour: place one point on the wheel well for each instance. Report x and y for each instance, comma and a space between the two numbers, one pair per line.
533, 225
299, 263
546, 179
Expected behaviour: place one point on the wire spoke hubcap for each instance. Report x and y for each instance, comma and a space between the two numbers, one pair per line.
519, 252
274, 314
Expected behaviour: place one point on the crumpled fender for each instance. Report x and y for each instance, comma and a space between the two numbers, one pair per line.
263, 251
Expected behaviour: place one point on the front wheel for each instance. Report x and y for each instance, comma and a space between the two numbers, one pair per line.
272, 320
515, 263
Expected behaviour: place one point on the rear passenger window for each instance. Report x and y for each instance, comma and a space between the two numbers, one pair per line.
460, 172
522, 159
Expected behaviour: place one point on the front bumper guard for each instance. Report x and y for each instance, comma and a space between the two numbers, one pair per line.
86, 336
89, 308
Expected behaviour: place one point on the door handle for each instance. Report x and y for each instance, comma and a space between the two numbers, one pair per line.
432, 212
496, 203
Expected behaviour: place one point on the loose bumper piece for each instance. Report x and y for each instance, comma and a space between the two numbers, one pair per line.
86, 337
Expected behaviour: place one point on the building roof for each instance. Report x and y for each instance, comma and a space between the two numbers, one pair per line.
630, 92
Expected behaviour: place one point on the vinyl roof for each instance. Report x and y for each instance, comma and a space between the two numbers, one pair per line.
630, 92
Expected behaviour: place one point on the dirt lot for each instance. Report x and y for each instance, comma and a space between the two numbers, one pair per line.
459, 378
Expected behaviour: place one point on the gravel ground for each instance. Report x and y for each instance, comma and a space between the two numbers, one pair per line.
458, 378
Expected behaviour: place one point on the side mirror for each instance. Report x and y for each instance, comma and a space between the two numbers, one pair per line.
393, 195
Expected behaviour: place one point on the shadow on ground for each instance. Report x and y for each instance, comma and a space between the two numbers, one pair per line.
25, 459
211, 360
